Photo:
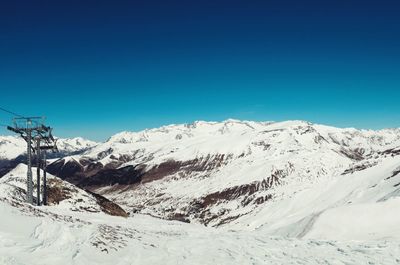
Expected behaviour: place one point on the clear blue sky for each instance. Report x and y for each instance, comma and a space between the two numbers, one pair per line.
95, 68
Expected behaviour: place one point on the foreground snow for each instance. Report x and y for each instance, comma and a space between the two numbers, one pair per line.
101, 239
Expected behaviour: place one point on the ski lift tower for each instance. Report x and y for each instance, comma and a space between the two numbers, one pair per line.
33, 131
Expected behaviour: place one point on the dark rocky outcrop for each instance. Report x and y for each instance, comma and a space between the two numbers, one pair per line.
108, 206
128, 175
58, 192
67, 170
354, 154
359, 167
90, 174
244, 191
394, 174
392, 152
247, 194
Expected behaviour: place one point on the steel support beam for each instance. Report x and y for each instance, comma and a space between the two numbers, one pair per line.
29, 190
44, 179
38, 162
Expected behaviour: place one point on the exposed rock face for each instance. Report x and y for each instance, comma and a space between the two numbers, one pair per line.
109, 207
56, 192
128, 175
66, 169
91, 174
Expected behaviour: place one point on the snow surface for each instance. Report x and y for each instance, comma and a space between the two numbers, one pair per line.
101, 239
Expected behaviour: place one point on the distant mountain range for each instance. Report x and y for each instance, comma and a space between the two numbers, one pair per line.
12, 146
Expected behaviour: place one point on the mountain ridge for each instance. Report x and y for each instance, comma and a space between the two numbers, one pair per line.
216, 173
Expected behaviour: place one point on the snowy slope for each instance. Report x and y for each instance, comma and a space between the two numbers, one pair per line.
94, 238
61, 195
11, 147
220, 173
353, 206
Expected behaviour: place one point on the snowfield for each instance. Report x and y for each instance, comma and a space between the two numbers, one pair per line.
358, 206
101, 239
247, 192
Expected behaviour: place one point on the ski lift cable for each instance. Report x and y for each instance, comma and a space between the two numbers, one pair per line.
11, 112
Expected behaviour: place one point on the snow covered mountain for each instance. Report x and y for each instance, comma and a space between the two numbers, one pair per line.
226, 173
12, 146
75, 145
13, 150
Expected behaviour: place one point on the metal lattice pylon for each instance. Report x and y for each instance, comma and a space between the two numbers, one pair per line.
33, 129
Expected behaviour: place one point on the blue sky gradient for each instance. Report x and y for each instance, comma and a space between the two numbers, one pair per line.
100, 67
